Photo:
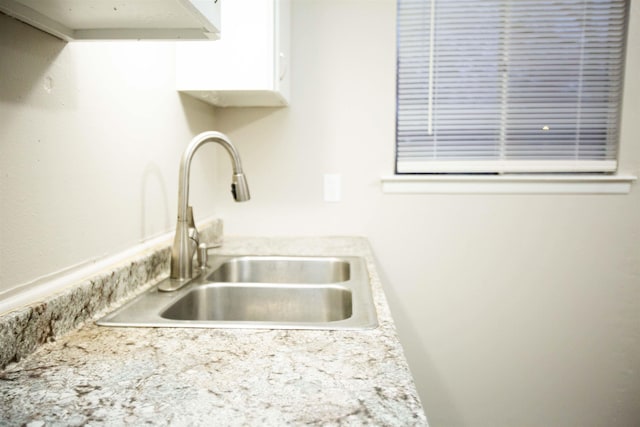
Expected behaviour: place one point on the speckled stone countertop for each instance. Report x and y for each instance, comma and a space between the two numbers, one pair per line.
171, 376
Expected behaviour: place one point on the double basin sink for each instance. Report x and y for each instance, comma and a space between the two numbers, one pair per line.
273, 292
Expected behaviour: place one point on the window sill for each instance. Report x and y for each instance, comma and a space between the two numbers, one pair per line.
507, 184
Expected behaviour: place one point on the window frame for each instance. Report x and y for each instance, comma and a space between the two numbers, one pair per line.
495, 171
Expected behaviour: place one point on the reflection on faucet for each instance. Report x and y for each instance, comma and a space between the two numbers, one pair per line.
186, 241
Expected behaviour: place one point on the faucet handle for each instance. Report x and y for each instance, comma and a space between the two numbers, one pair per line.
193, 231
190, 221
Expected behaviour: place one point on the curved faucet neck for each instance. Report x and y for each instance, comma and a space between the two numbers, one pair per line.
185, 166
186, 240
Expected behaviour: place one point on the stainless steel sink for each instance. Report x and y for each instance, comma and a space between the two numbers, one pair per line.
274, 292
273, 269
294, 303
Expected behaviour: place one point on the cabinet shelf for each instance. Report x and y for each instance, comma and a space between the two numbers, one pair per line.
120, 19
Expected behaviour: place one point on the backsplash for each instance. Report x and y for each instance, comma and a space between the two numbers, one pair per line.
23, 330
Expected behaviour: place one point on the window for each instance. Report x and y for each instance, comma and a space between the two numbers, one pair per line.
509, 86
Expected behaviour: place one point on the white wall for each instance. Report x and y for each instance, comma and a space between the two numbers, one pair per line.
90, 139
513, 310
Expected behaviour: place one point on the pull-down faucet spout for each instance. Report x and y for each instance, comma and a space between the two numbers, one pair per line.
185, 242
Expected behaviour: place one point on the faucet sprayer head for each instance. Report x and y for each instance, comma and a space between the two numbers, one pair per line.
239, 188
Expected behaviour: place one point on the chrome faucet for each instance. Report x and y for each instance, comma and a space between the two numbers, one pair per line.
186, 241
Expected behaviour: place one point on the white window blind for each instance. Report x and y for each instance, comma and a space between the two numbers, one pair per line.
505, 86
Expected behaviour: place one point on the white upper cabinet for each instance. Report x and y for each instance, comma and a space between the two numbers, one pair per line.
120, 19
249, 65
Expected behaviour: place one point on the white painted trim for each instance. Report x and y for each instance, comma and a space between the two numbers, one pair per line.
506, 166
507, 184
36, 19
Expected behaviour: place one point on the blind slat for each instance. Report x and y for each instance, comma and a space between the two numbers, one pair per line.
492, 82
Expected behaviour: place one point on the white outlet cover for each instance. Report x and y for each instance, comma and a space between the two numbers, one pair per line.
332, 187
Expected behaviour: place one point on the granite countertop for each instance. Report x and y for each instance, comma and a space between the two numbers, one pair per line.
171, 376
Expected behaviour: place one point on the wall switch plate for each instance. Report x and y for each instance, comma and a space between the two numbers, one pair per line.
332, 187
